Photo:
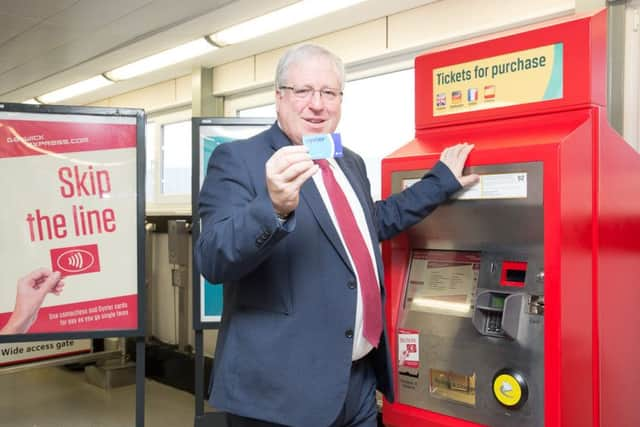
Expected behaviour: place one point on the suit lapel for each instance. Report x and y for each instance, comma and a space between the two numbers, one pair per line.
277, 138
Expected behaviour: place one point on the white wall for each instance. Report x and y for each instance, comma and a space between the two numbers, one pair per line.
392, 42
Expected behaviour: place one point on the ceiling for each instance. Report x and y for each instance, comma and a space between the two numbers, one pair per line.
48, 44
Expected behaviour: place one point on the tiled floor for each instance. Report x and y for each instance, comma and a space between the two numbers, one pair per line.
58, 397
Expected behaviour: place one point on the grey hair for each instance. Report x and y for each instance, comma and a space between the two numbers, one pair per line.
302, 52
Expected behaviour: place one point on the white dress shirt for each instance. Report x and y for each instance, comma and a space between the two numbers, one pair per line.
360, 345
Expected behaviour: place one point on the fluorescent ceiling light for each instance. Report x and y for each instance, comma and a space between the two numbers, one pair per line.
31, 101
278, 19
163, 59
75, 89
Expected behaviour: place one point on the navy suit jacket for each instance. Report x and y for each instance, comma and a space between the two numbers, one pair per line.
284, 350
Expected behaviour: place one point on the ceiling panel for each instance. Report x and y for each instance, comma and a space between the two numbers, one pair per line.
90, 15
53, 43
11, 25
33, 44
36, 9
86, 30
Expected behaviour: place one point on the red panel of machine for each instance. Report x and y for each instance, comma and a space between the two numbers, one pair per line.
584, 45
556, 140
617, 272
591, 219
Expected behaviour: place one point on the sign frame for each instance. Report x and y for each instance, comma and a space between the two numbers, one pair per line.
200, 320
139, 116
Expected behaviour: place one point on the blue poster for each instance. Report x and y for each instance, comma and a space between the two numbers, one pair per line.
210, 138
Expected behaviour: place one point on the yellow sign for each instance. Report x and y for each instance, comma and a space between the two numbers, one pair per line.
512, 79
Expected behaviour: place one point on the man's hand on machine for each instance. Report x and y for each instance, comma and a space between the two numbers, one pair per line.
455, 157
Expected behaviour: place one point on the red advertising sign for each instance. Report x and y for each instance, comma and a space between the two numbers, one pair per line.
69, 242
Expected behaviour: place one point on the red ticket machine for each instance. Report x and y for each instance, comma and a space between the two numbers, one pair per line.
517, 302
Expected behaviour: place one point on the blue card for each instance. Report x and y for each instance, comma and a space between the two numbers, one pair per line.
323, 145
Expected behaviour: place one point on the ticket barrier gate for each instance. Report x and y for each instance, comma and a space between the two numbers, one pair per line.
512, 303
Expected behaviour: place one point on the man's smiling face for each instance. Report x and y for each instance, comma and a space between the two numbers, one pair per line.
315, 114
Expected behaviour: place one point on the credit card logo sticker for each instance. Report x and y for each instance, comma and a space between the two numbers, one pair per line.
75, 260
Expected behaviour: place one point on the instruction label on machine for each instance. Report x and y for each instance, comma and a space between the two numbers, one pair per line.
409, 348
496, 186
490, 186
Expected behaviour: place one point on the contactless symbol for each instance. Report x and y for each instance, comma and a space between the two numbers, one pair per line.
75, 260
510, 388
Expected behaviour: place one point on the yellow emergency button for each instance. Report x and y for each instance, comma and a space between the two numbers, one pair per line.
510, 388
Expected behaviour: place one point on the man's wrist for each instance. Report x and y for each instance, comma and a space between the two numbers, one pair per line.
282, 219
283, 216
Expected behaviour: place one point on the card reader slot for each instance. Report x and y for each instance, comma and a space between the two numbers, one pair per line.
485, 308
487, 318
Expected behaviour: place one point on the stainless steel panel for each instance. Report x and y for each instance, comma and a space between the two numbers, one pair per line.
454, 350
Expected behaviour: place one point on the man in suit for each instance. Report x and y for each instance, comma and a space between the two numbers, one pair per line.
302, 339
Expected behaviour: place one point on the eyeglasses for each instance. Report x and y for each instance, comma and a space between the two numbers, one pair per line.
304, 93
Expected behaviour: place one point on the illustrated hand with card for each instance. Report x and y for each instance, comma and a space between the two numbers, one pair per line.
31, 292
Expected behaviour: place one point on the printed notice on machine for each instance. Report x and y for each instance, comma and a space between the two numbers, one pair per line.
443, 282
496, 186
